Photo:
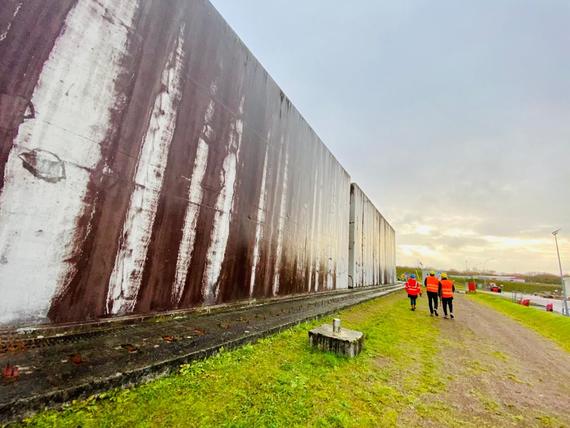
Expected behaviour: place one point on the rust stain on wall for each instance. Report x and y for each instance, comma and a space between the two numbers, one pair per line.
161, 167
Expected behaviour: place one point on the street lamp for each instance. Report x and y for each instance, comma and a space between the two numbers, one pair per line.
485, 271
485, 264
564, 296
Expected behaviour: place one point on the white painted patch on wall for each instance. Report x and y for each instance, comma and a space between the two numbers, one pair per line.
126, 277
329, 285
312, 233
260, 221
335, 223
38, 216
317, 237
195, 195
222, 218
281, 226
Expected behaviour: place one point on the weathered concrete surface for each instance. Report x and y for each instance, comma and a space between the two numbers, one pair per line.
148, 163
343, 342
66, 364
372, 243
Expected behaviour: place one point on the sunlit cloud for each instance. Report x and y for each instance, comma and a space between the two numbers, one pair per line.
459, 233
509, 243
418, 251
466, 249
417, 229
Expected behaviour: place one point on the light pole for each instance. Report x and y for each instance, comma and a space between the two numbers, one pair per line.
564, 296
484, 271
485, 264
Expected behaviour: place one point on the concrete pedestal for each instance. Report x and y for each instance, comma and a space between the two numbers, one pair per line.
341, 342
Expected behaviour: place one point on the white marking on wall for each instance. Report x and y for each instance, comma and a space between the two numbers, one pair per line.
73, 99
126, 277
312, 244
329, 283
195, 195
260, 221
223, 216
281, 226
336, 224
317, 237
4, 34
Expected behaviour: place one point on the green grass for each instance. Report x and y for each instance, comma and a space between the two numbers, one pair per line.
528, 287
551, 325
280, 381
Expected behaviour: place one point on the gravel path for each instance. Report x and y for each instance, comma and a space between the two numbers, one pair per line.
501, 372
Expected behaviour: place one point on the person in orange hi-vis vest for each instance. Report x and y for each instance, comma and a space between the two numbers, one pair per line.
446, 290
414, 290
432, 286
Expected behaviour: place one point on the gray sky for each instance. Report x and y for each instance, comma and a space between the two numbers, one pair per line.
453, 116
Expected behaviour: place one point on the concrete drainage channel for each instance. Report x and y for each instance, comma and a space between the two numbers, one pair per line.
75, 365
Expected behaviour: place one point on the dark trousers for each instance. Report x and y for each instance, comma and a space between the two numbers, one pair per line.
412, 299
447, 302
432, 300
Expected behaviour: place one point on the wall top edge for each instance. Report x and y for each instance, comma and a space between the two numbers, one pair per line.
275, 84
358, 189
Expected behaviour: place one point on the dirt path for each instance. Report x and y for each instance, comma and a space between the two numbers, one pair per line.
501, 371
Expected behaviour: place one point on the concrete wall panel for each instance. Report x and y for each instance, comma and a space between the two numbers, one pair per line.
148, 162
372, 244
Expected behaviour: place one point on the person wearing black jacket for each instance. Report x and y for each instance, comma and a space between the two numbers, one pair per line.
446, 290
432, 287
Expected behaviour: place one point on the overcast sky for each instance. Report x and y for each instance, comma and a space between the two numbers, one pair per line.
453, 116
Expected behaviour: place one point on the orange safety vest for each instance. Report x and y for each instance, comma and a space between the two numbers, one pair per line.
413, 287
432, 284
446, 288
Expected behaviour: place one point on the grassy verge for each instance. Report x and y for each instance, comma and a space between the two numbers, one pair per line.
549, 324
280, 381
528, 287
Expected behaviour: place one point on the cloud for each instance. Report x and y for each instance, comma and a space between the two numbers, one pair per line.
455, 240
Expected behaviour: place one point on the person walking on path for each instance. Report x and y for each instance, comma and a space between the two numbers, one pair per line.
414, 290
446, 290
432, 286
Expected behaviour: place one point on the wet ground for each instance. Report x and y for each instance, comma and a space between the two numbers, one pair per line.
59, 365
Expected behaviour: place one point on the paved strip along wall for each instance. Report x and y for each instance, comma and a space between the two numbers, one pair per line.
149, 163
372, 243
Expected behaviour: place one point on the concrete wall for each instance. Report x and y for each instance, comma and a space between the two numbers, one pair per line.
372, 243
148, 162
